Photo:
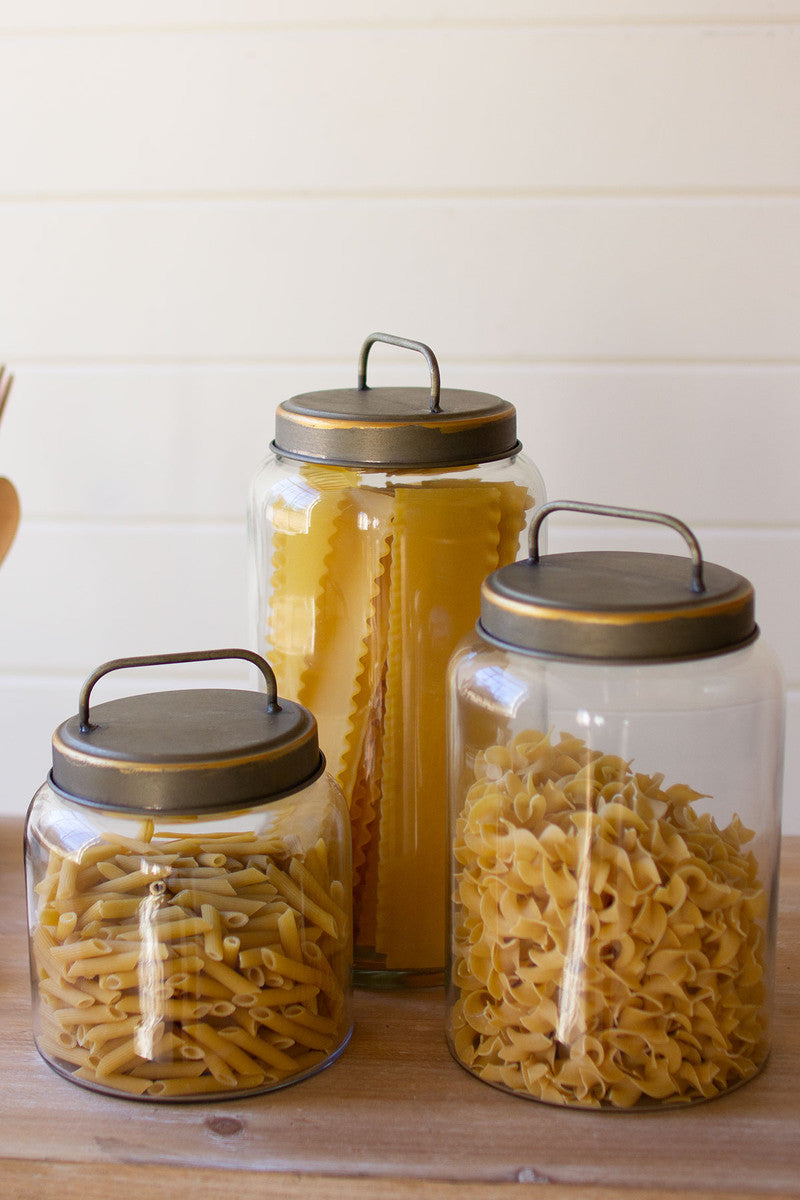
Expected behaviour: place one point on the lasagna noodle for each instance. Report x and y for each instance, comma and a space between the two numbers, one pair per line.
366, 834
514, 504
338, 685
361, 776
371, 591
445, 543
303, 517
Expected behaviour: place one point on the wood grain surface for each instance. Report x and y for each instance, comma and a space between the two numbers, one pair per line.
394, 1117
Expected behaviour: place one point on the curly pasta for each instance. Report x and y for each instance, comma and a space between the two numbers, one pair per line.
607, 937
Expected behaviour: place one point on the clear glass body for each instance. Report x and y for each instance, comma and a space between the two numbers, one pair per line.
363, 583
615, 832
186, 957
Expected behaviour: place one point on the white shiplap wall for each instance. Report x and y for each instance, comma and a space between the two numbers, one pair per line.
590, 207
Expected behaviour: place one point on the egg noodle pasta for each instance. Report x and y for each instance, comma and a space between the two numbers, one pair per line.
163, 999
608, 940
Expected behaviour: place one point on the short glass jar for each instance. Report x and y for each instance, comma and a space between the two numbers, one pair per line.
189, 894
373, 524
616, 756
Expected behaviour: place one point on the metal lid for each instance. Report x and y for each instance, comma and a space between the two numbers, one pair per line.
394, 426
186, 752
615, 605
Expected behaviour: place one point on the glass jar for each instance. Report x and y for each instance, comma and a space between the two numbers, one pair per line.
615, 773
373, 523
189, 894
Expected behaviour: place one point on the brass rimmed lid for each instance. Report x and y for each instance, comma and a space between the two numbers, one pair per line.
396, 426
617, 606
192, 751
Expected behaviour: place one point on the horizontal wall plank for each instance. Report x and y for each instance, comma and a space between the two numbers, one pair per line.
520, 279
53, 14
72, 596
502, 109
31, 707
716, 445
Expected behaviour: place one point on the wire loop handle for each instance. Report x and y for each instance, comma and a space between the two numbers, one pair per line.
406, 344
632, 514
163, 660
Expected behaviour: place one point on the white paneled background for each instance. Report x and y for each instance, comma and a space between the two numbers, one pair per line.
589, 207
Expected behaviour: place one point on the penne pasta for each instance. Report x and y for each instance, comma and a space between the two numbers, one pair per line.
152, 975
195, 898
259, 1049
71, 951
67, 993
212, 938
231, 946
228, 1051
294, 1030
172, 1070
297, 898
291, 969
119, 1056
120, 1083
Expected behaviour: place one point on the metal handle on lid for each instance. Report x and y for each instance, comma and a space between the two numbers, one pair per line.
163, 660
632, 514
406, 344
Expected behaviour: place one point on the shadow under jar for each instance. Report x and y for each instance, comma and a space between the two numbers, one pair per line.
615, 773
189, 894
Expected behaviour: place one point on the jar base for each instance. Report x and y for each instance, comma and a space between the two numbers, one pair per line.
198, 1097
677, 1104
370, 972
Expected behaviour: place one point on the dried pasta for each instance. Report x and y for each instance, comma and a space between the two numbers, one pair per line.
371, 588
608, 942
147, 992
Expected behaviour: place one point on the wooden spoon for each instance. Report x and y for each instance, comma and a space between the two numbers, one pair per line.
9, 515
5, 387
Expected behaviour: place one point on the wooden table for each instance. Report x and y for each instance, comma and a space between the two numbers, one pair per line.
393, 1118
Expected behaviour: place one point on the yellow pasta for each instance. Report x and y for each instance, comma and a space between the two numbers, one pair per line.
356, 544
231, 1054
67, 993
371, 588
68, 952
175, 1070
292, 1029
212, 937
290, 938
303, 520
288, 968
259, 1048
607, 935
303, 903
137, 993
120, 1083
231, 946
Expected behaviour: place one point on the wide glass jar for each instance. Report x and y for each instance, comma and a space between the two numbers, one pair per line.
616, 755
373, 524
189, 894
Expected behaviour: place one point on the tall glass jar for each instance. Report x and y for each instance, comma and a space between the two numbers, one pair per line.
616, 755
189, 894
373, 523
